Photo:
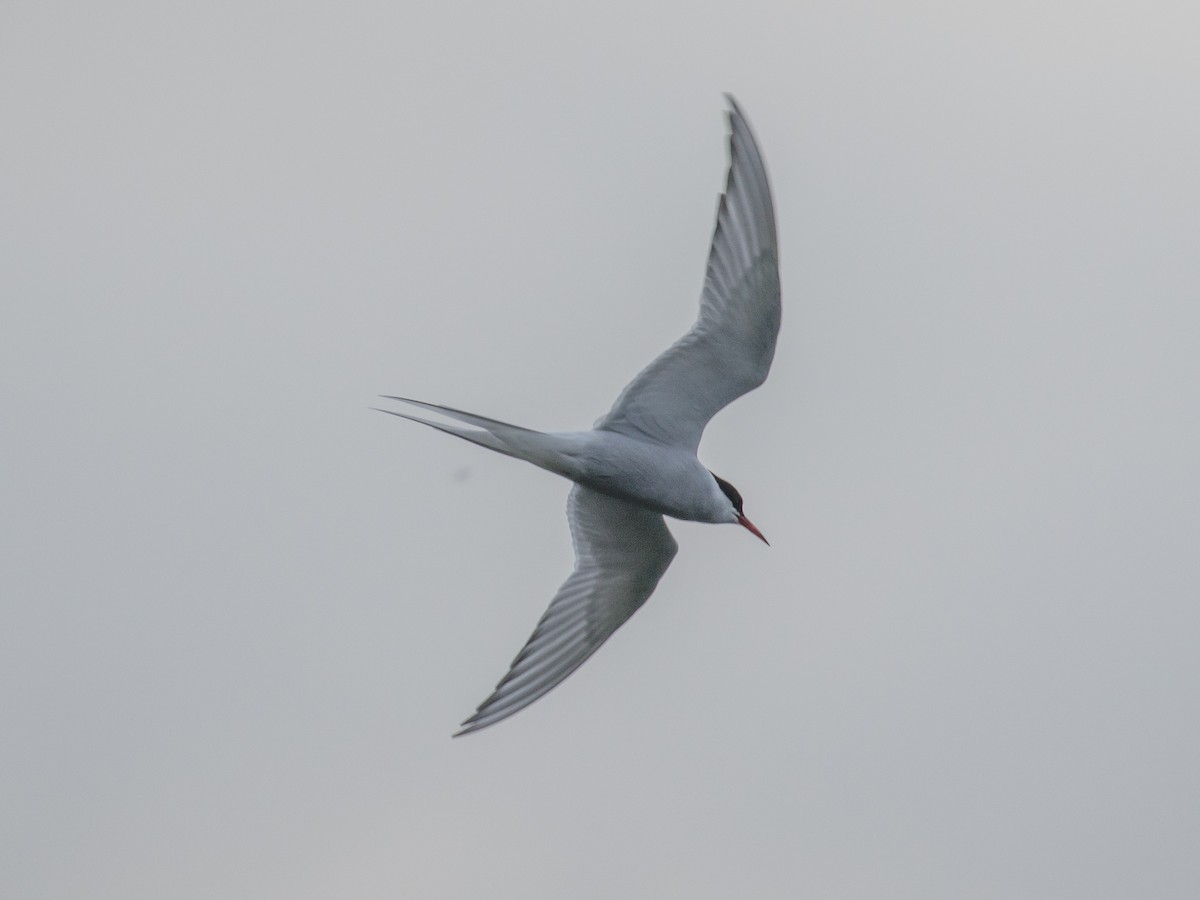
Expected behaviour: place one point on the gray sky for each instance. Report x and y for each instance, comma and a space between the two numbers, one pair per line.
241, 614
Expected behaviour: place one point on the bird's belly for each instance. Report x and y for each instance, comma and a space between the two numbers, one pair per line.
669, 481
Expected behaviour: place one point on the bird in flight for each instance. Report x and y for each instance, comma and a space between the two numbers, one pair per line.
638, 463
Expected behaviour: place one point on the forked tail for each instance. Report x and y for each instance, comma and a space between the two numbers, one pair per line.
536, 447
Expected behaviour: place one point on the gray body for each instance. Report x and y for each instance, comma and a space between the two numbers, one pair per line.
639, 462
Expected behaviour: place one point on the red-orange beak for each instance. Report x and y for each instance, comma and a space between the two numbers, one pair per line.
749, 526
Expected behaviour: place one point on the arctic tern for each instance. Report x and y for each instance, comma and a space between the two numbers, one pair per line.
639, 463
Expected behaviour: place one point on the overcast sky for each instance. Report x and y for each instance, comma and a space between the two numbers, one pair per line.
240, 614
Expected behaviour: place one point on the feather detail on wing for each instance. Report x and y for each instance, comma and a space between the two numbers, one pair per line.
621, 552
728, 351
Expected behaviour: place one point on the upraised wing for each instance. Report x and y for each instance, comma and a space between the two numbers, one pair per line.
728, 351
621, 551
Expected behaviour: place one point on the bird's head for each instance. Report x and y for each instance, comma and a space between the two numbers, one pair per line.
735, 508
